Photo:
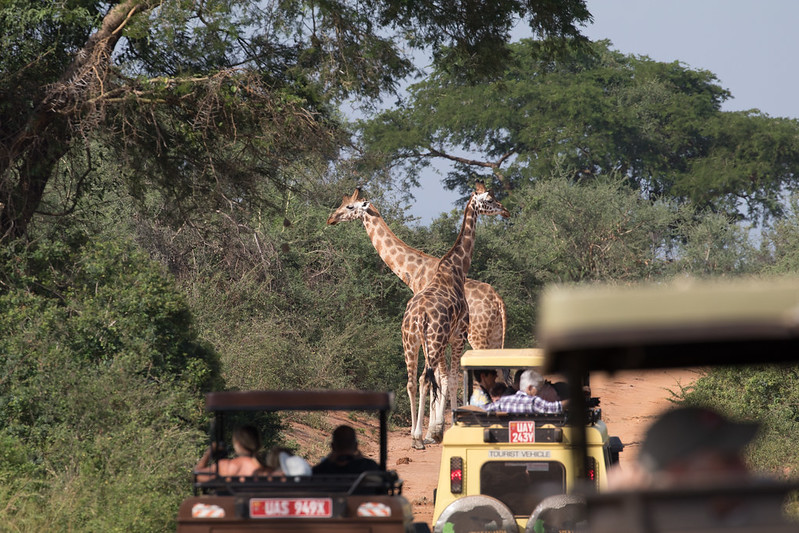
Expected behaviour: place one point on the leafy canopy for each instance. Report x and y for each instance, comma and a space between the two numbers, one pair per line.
592, 113
205, 100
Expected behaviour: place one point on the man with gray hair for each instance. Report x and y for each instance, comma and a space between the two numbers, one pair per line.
526, 399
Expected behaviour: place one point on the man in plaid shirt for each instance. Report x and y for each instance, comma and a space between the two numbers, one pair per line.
525, 400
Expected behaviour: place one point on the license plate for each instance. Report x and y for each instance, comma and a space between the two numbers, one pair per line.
291, 508
521, 431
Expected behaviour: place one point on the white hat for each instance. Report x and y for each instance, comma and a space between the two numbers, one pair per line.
294, 465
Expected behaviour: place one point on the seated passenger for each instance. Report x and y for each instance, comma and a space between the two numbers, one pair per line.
526, 399
498, 390
246, 444
486, 378
272, 461
345, 457
549, 392
698, 448
292, 465
688, 446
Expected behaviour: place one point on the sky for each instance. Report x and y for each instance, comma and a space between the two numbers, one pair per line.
750, 45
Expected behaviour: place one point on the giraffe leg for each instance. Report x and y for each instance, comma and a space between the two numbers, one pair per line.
411, 347
416, 433
412, 390
455, 369
435, 427
428, 437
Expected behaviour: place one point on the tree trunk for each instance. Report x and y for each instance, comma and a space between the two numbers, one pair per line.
28, 160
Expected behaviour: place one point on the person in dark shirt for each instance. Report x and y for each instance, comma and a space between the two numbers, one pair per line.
345, 457
499, 390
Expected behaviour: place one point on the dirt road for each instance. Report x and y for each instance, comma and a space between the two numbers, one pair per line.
629, 402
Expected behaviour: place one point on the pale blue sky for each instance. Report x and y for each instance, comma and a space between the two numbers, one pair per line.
749, 45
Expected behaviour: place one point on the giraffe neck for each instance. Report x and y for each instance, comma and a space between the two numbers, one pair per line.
459, 258
414, 267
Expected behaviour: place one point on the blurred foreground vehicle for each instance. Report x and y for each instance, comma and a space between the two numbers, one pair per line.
689, 324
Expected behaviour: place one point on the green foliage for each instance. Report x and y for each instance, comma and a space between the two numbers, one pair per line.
103, 375
714, 245
592, 114
468, 39
768, 395
782, 240
751, 159
206, 146
106, 305
38, 40
597, 231
205, 100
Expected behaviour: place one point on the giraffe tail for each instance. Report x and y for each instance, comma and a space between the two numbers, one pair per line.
429, 372
430, 378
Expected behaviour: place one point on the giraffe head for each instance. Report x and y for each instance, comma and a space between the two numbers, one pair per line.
484, 202
351, 208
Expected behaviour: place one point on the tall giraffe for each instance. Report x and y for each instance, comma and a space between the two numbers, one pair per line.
487, 316
438, 316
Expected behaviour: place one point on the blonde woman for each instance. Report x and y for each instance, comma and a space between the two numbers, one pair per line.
246, 444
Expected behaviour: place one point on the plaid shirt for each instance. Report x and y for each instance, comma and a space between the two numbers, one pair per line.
521, 403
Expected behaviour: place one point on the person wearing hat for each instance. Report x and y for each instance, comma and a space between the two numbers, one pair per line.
688, 446
696, 456
345, 457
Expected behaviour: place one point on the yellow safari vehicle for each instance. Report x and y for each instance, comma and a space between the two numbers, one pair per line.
370, 502
688, 323
496, 468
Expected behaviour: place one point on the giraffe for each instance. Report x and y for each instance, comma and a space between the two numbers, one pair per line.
487, 316
438, 316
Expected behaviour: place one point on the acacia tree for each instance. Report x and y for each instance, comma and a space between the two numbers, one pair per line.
205, 99
592, 112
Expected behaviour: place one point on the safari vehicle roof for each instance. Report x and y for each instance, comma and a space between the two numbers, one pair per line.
299, 400
503, 358
684, 323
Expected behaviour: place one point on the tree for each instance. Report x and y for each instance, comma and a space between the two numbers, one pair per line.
101, 396
592, 113
207, 99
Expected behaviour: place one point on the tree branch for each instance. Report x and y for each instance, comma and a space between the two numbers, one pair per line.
494, 166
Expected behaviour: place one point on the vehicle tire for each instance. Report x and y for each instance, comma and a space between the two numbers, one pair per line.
476, 513
561, 512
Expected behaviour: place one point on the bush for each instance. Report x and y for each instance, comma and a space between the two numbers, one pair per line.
103, 380
768, 395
